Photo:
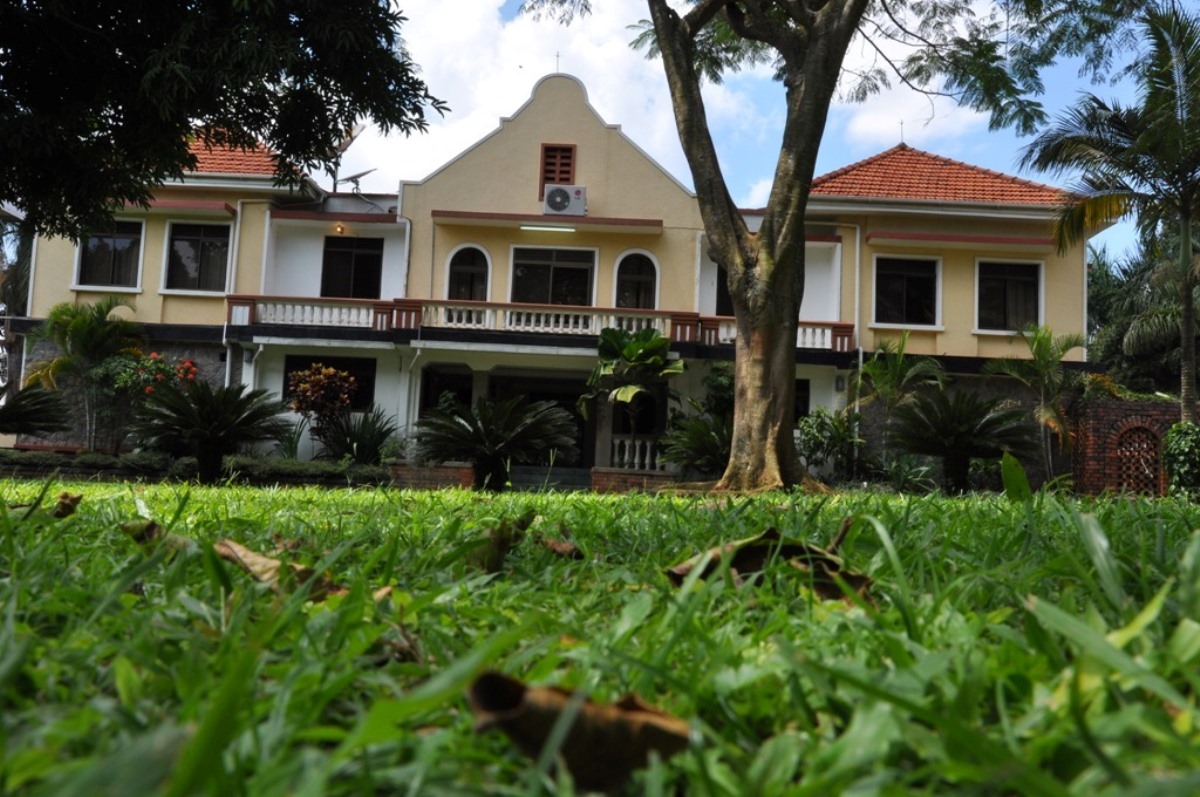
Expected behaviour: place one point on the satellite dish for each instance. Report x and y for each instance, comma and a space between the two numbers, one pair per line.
353, 178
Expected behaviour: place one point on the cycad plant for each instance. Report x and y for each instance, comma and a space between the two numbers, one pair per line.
208, 423
960, 427
357, 436
34, 410
494, 435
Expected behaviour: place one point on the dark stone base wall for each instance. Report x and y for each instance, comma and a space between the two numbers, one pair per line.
208, 357
1118, 446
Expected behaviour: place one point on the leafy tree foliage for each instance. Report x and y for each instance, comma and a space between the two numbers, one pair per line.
892, 375
194, 418
958, 427
98, 99
989, 58
494, 435
632, 364
1142, 159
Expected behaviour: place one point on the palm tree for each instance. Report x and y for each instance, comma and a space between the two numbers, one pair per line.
206, 423
1142, 159
1043, 373
494, 435
891, 375
86, 335
960, 428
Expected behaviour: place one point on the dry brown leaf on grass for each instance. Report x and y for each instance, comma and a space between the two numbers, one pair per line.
563, 547
823, 567
148, 535
266, 570
64, 506
604, 744
494, 546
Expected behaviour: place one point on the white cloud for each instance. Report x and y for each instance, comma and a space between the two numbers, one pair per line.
757, 195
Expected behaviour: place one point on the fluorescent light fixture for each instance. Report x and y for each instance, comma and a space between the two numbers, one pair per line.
545, 228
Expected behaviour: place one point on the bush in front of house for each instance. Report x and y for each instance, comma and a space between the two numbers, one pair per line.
1181, 458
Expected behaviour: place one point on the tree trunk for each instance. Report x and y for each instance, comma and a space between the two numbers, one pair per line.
765, 269
1187, 324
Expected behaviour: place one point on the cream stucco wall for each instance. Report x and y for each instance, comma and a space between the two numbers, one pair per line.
56, 261
958, 243
501, 175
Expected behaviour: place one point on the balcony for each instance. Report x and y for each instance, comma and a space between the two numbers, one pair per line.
384, 315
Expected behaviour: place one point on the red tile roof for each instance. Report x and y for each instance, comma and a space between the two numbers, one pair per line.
905, 173
221, 160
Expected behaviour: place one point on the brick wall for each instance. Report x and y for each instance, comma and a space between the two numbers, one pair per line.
619, 480
432, 477
1118, 446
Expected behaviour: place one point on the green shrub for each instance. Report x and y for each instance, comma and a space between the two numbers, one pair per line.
43, 460
144, 462
827, 438
268, 469
183, 468
1181, 458
90, 460
358, 436
698, 444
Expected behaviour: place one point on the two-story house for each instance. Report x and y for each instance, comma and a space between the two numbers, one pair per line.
493, 275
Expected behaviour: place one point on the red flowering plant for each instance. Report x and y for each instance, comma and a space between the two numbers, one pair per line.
140, 374
320, 393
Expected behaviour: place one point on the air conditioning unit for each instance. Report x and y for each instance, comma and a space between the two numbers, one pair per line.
565, 200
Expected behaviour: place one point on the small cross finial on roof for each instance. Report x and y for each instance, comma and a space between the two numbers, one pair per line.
901, 131
556, 55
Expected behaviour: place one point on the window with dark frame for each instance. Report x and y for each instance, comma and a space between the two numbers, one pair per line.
197, 257
352, 268
110, 258
468, 276
636, 282
553, 276
1008, 295
558, 166
905, 291
361, 368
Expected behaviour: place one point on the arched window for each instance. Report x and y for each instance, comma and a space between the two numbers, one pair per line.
468, 275
636, 282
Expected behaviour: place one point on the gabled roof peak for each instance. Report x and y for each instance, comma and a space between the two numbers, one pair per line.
906, 173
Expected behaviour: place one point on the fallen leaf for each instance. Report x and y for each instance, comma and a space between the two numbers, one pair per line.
493, 548
148, 534
604, 744
563, 548
266, 570
751, 555
65, 505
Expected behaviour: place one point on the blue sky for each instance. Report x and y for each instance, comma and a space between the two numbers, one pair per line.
484, 59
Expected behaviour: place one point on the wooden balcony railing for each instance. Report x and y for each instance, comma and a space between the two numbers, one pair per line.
382, 315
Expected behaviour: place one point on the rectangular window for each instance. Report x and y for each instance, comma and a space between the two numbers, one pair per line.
1008, 295
905, 291
553, 276
361, 368
197, 257
352, 268
110, 259
558, 166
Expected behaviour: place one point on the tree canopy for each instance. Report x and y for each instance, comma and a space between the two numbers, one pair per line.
988, 56
98, 99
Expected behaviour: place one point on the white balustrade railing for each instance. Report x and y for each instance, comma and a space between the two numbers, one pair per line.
808, 336
458, 316
567, 321
635, 452
313, 313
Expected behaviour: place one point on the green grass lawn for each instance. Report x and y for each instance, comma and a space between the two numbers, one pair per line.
1045, 647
